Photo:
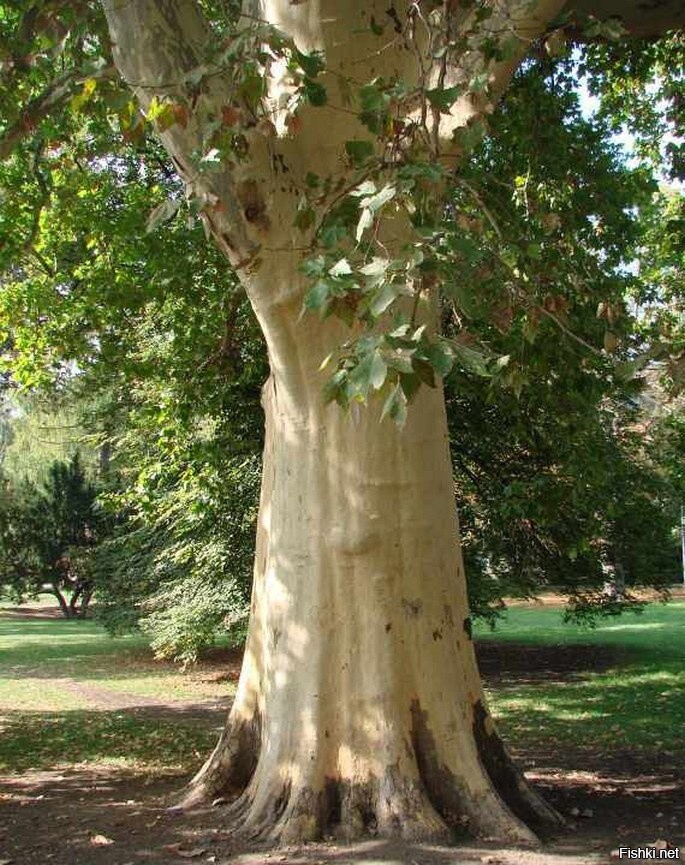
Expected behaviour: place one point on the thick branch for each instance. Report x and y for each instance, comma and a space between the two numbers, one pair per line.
156, 44
646, 19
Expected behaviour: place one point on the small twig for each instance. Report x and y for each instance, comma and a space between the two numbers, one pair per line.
568, 331
479, 201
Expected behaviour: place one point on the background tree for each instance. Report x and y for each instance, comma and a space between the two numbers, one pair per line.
46, 536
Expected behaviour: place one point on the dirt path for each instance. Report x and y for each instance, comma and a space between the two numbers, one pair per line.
104, 699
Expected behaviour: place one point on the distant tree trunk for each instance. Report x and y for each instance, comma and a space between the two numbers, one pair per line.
80, 599
64, 606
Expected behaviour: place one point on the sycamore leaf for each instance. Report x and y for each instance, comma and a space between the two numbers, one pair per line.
368, 187
376, 267
471, 360
315, 92
395, 406
375, 202
382, 299
311, 64
400, 362
370, 373
334, 389
440, 357
365, 221
318, 297
443, 98
341, 268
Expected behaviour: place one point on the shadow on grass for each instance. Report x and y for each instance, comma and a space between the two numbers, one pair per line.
506, 663
635, 706
147, 738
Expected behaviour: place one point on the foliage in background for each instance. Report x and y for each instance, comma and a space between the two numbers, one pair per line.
559, 484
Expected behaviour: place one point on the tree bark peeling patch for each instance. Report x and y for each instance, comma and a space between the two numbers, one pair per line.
412, 608
253, 204
507, 779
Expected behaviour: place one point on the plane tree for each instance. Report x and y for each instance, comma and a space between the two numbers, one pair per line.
321, 146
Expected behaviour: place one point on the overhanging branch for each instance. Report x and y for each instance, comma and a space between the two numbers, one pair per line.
645, 19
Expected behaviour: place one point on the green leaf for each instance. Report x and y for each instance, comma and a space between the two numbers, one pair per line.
472, 360
400, 362
440, 357
311, 64
318, 297
334, 389
396, 406
314, 92
443, 98
314, 267
463, 296
370, 373
410, 383
382, 299
424, 371
378, 372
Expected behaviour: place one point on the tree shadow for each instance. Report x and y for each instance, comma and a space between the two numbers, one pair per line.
508, 663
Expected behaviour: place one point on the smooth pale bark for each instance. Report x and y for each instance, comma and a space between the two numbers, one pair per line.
359, 706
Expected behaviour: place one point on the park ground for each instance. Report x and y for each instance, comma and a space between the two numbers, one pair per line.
96, 737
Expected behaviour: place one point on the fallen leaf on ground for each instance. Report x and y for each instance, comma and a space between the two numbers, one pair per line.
661, 844
100, 840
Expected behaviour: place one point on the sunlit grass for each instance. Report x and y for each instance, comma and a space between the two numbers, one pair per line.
60, 685
637, 704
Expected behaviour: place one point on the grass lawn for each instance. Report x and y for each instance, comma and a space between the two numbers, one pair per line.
69, 694
638, 703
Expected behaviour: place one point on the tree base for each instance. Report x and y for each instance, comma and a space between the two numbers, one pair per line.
435, 806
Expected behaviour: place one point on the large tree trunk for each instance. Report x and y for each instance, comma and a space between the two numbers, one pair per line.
359, 705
